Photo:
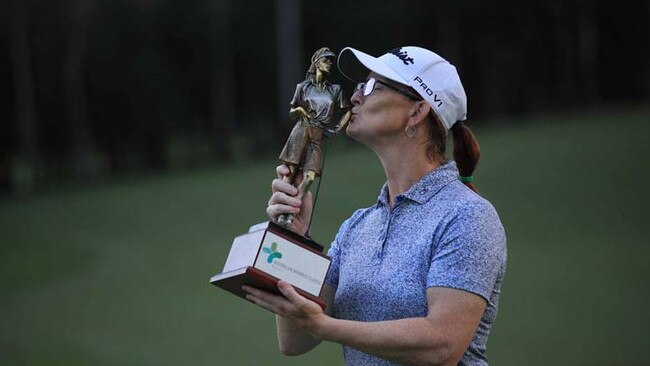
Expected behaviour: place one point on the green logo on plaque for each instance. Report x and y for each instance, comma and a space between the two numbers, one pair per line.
272, 252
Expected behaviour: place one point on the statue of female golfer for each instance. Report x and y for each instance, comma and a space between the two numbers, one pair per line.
315, 105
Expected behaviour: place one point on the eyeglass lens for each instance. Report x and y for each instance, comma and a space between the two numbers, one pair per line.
367, 86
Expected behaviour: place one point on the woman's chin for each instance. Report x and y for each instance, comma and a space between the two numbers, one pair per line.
350, 130
354, 133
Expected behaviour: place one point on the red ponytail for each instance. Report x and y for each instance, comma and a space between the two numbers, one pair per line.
466, 151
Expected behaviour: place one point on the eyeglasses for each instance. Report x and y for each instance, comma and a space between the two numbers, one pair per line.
368, 86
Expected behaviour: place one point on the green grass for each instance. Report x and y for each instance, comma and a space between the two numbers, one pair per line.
117, 274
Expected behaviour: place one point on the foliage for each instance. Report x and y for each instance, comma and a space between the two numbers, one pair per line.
104, 89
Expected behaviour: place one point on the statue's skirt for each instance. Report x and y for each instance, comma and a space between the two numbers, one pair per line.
304, 147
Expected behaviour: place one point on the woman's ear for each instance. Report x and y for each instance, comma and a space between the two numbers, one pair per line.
419, 112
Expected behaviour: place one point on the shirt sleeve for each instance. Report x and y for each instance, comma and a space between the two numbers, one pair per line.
334, 253
342, 101
471, 252
296, 101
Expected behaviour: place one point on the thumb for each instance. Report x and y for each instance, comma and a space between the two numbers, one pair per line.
289, 292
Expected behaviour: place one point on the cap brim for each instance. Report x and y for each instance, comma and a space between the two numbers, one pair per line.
355, 65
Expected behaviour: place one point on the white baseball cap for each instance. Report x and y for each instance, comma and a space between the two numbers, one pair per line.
433, 77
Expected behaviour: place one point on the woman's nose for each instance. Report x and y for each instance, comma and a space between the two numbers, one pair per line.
356, 97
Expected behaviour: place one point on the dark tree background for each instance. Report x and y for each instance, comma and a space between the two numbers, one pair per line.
94, 89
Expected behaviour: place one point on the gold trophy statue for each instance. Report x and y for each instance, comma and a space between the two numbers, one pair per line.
270, 252
315, 105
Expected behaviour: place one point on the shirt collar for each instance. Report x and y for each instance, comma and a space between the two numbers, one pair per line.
312, 81
426, 187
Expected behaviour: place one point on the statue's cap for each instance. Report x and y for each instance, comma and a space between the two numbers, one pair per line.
322, 52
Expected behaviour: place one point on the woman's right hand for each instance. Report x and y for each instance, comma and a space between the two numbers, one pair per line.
283, 201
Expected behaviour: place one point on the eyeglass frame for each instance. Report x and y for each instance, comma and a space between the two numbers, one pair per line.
373, 81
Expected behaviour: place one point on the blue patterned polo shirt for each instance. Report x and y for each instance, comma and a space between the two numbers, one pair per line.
438, 234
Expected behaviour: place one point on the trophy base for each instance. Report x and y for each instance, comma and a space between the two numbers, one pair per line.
234, 280
270, 253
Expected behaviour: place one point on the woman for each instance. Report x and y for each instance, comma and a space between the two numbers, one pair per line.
415, 278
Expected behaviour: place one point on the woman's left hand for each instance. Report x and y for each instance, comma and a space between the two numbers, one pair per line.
305, 314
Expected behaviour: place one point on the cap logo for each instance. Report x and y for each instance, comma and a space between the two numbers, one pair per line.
425, 88
435, 99
402, 55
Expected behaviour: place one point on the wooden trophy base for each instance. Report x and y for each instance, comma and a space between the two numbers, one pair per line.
269, 253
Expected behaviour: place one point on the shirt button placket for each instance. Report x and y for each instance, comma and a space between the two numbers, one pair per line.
390, 213
386, 215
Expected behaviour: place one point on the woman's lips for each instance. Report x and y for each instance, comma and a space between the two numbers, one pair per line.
354, 114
